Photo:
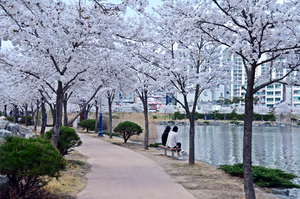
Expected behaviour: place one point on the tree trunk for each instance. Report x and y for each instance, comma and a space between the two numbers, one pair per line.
247, 145
15, 113
53, 112
145, 104
192, 140
43, 126
65, 109
37, 114
5, 110
26, 114
86, 112
97, 118
110, 116
58, 112
32, 114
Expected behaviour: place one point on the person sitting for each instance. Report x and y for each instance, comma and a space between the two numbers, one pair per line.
164, 136
172, 141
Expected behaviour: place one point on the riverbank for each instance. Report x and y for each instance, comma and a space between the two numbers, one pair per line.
228, 123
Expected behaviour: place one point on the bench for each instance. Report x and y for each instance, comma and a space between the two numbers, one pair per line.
170, 149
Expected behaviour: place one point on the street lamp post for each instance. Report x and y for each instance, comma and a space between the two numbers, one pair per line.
100, 134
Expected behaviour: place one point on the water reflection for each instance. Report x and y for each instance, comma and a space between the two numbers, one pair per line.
271, 147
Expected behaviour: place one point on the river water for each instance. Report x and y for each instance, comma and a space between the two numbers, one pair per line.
272, 147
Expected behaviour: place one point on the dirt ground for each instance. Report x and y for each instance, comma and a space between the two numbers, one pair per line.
72, 180
202, 180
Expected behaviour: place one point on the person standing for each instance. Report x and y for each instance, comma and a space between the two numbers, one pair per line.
164, 136
172, 141
19, 120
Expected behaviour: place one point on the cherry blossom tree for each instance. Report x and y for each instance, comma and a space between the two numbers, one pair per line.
189, 63
225, 110
240, 109
296, 110
206, 109
283, 109
262, 110
167, 109
256, 32
144, 87
57, 41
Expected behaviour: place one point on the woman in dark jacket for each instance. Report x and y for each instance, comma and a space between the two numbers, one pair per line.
164, 136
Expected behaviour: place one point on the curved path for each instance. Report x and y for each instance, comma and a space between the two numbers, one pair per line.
119, 172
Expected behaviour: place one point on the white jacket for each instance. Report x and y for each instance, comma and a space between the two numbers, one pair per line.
172, 139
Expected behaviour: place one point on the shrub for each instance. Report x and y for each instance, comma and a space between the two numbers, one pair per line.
67, 139
268, 117
298, 123
115, 117
273, 119
234, 122
206, 122
154, 116
88, 124
233, 115
267, 123
171, 122
178, 115
263, 176
26, 162
155, 144
29, 120
127, 129
234, 118
11, 119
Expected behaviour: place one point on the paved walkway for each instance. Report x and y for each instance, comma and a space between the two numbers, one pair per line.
119, 172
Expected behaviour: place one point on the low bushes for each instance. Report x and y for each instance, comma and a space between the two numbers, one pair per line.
263, 176
88, 124
178, 115
155, 144
234, 122
67, 139
29, 120
11, 119
171, 122
26, 163
115, 117
154, 116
